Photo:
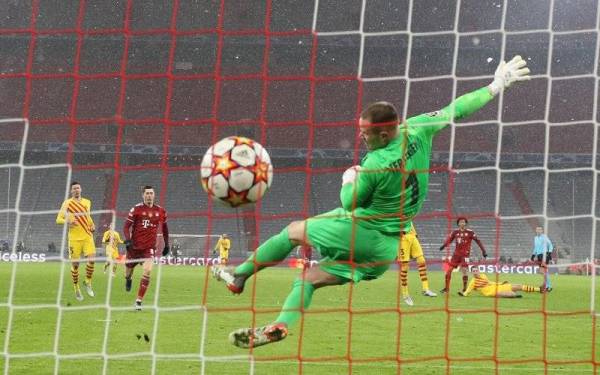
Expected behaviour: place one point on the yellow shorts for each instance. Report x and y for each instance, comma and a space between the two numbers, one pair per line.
112, 252
492, 290
410, 247
224, 255
77, 247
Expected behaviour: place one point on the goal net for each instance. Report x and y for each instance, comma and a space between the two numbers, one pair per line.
118, 95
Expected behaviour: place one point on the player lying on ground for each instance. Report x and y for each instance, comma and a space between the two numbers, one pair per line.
504, 289
75, 212
463, 237
380, 198
542, 254
112, 239
140, 230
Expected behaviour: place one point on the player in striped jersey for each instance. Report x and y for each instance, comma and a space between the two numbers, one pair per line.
75, 212
112, 239
488, 288
410, 248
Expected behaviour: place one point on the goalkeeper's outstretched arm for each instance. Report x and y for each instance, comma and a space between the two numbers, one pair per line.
505, 76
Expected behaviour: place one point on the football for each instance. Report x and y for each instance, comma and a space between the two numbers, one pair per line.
236, 171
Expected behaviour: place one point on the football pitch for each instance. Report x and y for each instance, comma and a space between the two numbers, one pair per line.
369, 329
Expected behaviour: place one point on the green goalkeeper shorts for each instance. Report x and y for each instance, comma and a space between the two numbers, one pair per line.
348, 250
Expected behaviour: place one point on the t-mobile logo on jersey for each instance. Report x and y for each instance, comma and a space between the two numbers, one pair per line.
145, 223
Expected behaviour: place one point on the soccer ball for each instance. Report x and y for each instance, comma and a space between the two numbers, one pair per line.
236, 171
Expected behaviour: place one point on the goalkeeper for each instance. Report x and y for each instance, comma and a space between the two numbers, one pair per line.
379, 200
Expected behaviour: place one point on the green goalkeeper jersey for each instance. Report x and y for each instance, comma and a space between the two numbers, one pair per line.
392, 183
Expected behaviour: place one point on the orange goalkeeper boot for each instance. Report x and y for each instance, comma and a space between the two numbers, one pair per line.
247, 338
234, 283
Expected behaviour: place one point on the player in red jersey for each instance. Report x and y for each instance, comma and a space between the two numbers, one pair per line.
140, 231
463, 237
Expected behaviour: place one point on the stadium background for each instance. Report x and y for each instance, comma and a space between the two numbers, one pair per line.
140, 105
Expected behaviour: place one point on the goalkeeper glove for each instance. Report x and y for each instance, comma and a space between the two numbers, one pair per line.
442, 248
350, 174
532, 257
509, 72
166, 250
484, 254
128, 245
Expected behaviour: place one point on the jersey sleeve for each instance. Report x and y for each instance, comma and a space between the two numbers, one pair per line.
550, 247
89, 214
450, 239
358, 194
480, 244
470, 287
128, 223
105, 237
118, 238
61, 216
165, 227
463, 106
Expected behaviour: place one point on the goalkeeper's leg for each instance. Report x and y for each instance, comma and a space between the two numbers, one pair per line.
294, 306
271, 252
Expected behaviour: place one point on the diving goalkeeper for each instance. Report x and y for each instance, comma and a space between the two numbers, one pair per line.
360, 240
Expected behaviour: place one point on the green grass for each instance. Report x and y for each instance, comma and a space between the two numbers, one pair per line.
372, 342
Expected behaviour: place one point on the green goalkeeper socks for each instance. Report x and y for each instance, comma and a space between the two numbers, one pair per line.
298, 299
272, 251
